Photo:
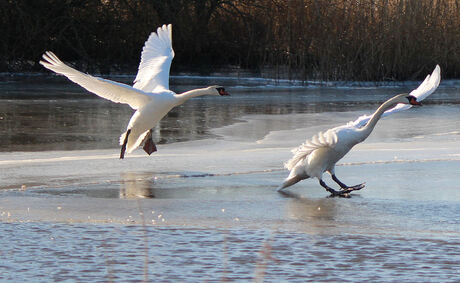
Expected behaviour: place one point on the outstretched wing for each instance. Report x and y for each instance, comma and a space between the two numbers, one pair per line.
427, 87
326, 139
116, 92
156, 59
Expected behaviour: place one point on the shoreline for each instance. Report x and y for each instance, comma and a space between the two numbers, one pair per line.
246, 77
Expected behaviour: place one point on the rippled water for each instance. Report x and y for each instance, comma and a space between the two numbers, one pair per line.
205, 208
134, 253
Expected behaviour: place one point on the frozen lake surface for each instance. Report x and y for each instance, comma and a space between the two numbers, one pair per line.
205, 206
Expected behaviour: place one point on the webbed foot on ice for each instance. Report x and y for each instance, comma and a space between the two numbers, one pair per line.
344, 190
354, 188
343, 193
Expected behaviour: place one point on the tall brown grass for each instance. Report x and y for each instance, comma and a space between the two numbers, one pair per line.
297, 39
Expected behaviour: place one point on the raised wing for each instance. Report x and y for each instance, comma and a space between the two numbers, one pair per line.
326, 139
156, 59
116, 92
427, 87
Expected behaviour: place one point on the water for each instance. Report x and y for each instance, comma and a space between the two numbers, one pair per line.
43, 113
118, 253
204, 207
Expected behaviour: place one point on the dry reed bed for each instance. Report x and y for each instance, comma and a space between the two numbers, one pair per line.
297, 39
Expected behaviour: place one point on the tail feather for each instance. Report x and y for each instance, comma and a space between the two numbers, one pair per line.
289, 182
134, 140
122, 138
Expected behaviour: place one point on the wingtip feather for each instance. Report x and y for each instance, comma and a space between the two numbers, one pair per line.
50, 59
437, 74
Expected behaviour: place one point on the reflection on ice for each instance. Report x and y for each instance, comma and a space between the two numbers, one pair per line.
308, 209
136, 185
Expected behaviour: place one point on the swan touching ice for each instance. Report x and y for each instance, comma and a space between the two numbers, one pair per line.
323, 150
149, 96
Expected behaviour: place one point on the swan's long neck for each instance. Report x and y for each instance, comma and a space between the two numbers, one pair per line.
192, 93
367, 129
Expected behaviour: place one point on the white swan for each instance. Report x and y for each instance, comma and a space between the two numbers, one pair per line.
323, 150
149, 96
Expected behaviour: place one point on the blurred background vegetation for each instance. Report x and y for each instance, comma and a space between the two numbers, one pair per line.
296, 39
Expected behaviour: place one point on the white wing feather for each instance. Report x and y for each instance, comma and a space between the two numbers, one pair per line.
427, 87
156, 59
326, 139
116, 92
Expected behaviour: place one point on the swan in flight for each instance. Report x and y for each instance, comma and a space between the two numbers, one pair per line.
320, 153
149, 96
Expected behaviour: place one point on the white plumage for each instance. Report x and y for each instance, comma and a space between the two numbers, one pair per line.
320, 153
156, 59
149, 96
427, 87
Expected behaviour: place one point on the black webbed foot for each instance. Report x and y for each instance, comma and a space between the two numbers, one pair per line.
344, 187
355, 187
344, 191
149, 145
341, 193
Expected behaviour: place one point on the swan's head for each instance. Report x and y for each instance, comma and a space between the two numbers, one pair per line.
406, 98
218, 90
413, 100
